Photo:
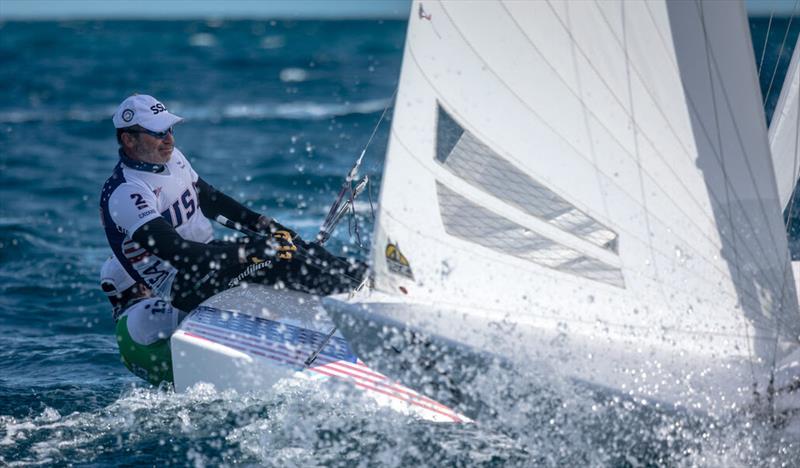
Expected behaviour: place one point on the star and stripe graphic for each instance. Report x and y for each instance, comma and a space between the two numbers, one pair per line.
290, 345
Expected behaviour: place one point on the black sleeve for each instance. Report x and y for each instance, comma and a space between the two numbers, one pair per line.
213, 203
159, 238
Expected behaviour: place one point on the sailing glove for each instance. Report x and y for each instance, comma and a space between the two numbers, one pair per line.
278, 246
269, 226
282, 244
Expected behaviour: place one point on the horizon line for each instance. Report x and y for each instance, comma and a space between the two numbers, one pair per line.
299, 10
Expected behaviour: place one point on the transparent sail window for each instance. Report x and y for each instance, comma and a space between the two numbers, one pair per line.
471, 222
467, 157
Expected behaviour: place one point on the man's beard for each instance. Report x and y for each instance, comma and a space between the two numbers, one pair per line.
151, 156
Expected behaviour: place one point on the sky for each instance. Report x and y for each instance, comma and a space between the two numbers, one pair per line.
171, 9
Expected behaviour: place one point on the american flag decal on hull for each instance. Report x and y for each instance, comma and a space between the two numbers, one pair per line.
289, 345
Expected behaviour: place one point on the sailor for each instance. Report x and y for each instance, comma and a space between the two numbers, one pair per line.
143, 323
155, 210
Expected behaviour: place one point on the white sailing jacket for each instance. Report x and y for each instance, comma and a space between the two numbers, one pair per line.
139, 192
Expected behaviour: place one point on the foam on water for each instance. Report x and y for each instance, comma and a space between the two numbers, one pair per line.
541, 422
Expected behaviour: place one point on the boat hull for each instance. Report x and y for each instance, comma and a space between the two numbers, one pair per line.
248, 339
415, 342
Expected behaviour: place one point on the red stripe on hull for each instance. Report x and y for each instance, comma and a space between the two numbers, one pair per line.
413, 398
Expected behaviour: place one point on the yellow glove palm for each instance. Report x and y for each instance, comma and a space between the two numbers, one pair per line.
283, 245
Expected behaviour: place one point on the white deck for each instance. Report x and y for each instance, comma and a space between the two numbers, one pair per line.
248, 339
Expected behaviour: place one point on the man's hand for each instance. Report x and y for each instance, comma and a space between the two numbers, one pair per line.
282, 244
278, 246
269, 226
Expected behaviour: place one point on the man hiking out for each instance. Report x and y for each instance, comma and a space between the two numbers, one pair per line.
155, 210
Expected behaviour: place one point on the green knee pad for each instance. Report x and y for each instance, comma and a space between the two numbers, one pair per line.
151, 362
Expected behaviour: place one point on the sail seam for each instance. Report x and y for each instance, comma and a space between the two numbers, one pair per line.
653, 180
642, 82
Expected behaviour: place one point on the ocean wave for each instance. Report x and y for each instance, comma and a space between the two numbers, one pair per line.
299, 110
145, 417
272, 42
293, 75
301, 422
203, 40
292, 110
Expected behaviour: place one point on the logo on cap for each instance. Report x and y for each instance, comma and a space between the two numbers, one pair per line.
127, 115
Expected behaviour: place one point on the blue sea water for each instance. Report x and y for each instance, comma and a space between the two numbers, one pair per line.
275, 114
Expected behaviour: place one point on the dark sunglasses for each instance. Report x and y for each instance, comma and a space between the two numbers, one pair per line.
159, 135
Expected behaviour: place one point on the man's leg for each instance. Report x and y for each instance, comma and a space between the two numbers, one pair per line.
322, 274
192, 288
143, 334
313, 271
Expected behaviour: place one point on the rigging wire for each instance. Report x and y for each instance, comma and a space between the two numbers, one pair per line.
351, 191
780, 54
353, 218
766, 41
375, 130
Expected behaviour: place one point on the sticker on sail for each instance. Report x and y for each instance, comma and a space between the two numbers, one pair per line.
397, 262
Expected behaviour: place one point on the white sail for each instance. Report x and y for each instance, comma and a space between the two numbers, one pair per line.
784, 132
586, 184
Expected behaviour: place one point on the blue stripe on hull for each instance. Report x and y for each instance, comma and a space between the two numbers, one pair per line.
270, 330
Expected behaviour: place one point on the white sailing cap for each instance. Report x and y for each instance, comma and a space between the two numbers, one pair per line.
113, 275
145, 111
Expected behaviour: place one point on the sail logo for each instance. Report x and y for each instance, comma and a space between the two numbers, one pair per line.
397, 262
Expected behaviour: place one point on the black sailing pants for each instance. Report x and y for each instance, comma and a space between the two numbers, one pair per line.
312, 270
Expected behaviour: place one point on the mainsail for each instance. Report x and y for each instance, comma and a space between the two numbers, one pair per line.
587, 185
784, 132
